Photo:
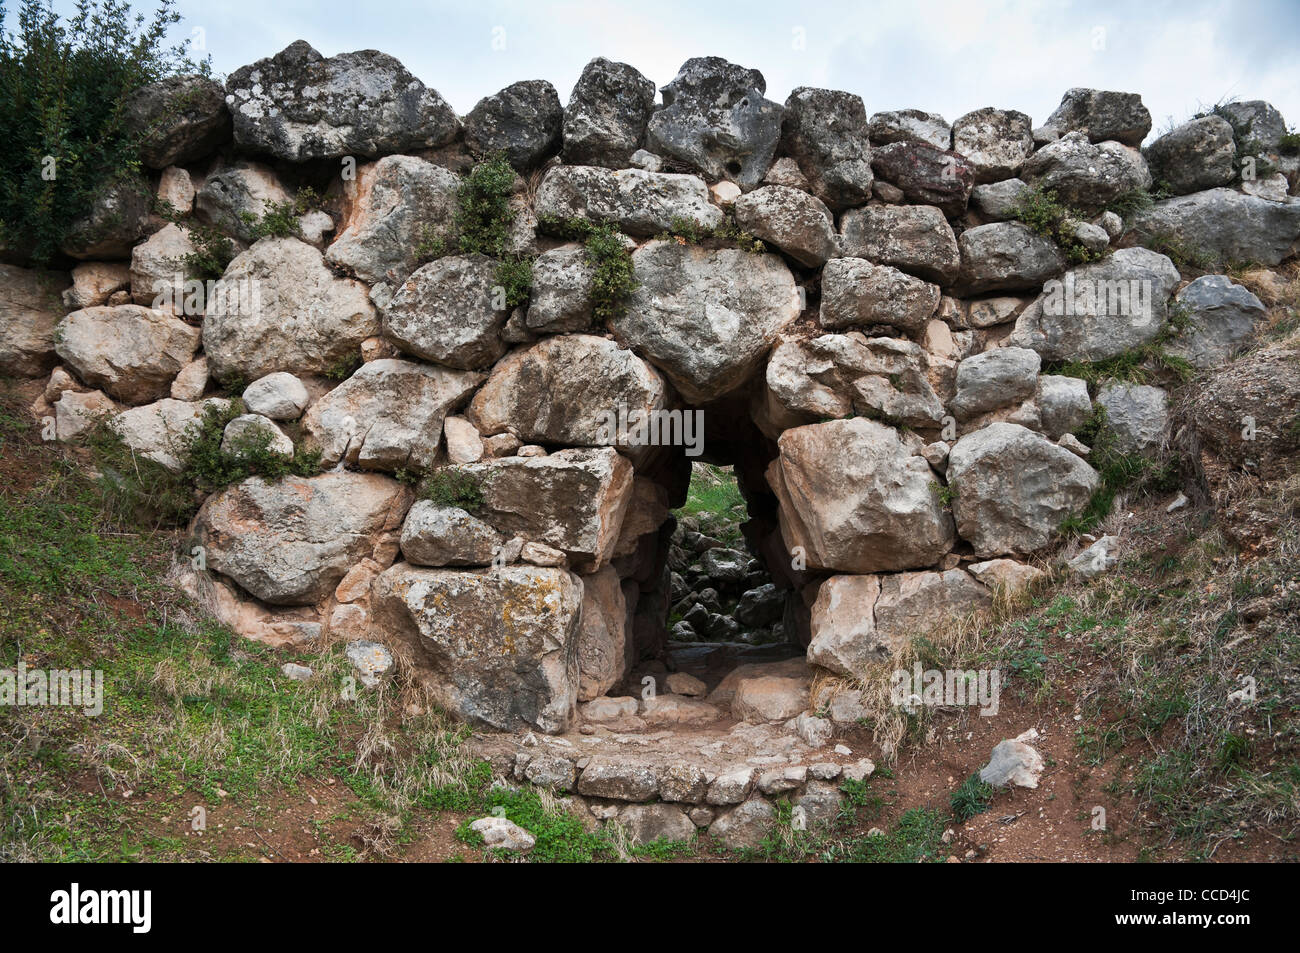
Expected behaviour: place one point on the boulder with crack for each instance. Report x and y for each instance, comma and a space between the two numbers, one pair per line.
497, 648
388, 415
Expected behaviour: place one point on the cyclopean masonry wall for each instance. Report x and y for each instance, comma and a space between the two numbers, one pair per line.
875, 376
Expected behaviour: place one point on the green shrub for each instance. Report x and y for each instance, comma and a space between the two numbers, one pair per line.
515, 277
454, 488
483, 213
280, 219
1041, 211
208, 466
64, 89
615, 279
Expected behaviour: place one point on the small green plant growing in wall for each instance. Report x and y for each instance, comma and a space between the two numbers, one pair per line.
1047, 216
454, 488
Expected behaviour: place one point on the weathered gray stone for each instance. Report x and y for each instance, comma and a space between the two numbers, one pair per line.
233, 200
278, 308
499, 648
522, 121
29, 312
1101, 115
254, 430
744, 826
648, 823
180, 118
603, 650
998, 201
279, 396
1137, 415
289, 542
157, 431
715, 120
996, 141
1006, 256
928, 175
439, 536
563, 390
573, 500
998, 378
388, 415
560, 301
1195, 156
706, 317
910, 125
1226, 225
852, 495
1220, 317
392, 206
605, 120
1100, 310
450, 311
131, 353
640, 203
794, 221
1063, 404
825, 132
856, 292
298, 105
915, 238
1013, 488
1085, 175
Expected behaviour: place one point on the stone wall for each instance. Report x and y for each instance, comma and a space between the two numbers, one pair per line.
850, 301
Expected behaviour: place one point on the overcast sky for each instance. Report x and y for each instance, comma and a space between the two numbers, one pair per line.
946, 56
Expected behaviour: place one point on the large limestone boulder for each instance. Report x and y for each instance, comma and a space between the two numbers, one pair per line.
158, 431
158, 275
857, 620
996, 141
388, 415
1227, 225
998, 378
855, 500
451, 311
792, 220
1197, 155
706, 317
640, 203
856, 292
909, 125
233, 200
825, 132
118, 217
915, 238
927, 175
1006, 256
1136, 414
298, 105
290, 542
1220, 317
392, 206
499, 648
93, 282
29, 311
840, 375
129, 352
1013, 488
1100, 115
715, 120
181, 119
436, 535
1100, 310
522, 121
605, 120
1260, 121
293, 314
560, 301
563, 390
1063, 404
572, 500
604, 649
1086, 175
